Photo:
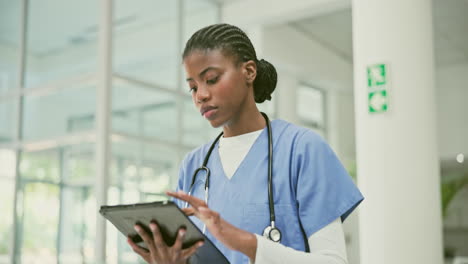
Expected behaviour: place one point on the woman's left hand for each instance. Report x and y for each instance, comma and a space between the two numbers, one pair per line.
231, 236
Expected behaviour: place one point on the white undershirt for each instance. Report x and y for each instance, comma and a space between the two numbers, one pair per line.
327, 246
232, 150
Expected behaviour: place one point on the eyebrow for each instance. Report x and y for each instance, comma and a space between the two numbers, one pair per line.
202, 73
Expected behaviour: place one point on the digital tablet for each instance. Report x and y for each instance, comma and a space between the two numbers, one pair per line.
170, 219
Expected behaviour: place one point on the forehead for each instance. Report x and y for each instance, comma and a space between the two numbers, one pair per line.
198, 60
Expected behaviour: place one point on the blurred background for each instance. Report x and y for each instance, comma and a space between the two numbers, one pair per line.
52, 67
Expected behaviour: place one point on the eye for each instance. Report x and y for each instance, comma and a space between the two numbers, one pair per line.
193, 89
212, 81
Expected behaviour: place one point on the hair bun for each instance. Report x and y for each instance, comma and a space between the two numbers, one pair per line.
265, 82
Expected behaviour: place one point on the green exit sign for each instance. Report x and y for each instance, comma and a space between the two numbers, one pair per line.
377, 85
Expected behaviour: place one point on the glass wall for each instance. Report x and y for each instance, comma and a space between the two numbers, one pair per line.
48, 104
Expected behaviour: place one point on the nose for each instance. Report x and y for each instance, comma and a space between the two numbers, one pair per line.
202, 94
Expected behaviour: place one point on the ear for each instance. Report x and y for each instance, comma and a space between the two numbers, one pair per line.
250, 71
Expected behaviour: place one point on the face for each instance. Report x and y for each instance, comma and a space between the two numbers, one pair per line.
221, 90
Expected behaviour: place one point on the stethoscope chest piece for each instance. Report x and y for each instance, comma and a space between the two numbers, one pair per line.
272, 233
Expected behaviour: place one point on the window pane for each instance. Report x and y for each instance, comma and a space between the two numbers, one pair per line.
198, 14
143, 167
144, 112
78, 204
140, 172
65, 111
79, 165
78, 221
10, 31
145, 41
7, 187
62, 40
7, 163
7, 120
40, 165
40, 222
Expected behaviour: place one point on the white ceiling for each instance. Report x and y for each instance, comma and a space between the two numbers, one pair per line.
450, 31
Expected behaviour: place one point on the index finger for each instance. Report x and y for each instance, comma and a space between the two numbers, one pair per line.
192, 200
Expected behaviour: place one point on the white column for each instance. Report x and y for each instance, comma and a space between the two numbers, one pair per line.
103, 123
397, 161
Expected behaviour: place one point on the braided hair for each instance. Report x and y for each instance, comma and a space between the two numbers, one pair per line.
231, 40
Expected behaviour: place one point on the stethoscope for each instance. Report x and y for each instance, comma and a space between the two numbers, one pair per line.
271, 232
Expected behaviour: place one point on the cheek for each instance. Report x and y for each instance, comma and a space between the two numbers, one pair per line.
233, 88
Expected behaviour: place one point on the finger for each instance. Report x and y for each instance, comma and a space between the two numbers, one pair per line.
146, 237
143, 252
161, 246
186, 253
179, 240
189, 211
192, 200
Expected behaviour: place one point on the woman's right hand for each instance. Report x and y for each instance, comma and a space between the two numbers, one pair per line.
160, 253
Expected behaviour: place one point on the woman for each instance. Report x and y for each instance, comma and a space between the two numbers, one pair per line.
311, 193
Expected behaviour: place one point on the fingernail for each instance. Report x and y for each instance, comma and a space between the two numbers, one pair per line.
182, 233
200, 244
137, 228
152, 226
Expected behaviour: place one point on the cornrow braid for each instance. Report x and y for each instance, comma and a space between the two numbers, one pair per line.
233, 41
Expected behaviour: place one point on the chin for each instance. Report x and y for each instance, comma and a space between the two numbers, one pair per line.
217, 122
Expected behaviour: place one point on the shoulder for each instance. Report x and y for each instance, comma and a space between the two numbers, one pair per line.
295, 135
197, 155
197, 152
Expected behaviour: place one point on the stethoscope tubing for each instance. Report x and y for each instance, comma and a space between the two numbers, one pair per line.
270, 172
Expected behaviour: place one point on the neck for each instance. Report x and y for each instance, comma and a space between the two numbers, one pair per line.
246, 122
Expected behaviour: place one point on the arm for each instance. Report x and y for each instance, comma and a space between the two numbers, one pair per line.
327, 246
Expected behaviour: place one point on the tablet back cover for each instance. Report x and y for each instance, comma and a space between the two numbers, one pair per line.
169, 218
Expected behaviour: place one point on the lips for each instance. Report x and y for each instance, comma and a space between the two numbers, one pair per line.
206, 110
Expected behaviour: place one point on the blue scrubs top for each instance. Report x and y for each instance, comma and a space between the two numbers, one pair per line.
310, 186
